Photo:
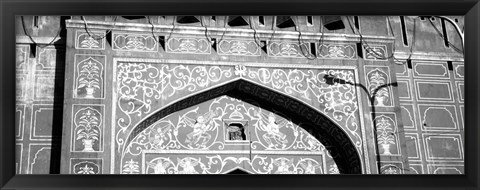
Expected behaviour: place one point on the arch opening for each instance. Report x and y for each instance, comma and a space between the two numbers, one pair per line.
335, 140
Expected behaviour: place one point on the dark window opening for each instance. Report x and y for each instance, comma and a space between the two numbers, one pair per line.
422, 18
445, 35
261, 20
236, 132
35, 21
404, 30
310, 20
456, 20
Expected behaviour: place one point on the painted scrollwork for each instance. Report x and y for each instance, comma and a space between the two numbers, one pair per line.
223, 164
140, 86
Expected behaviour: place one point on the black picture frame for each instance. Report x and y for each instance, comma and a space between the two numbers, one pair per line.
10, 8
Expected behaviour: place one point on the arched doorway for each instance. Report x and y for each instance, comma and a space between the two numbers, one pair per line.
335, 140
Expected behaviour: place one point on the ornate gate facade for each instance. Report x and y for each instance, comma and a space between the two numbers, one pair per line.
145, 98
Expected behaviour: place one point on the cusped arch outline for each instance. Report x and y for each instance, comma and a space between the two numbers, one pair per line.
326, 131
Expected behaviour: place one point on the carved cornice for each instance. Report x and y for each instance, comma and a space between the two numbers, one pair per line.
432, 56
225, 32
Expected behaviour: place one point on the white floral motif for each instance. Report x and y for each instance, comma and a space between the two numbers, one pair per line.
89, 76
240, 70
86, 170
187, 45
385, 136
89, 42
131, 167
377, 81
87, 127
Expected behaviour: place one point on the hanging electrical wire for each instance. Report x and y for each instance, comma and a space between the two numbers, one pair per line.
309, 56
224, 29
366, 46
33, 41
441, 35
255, 33
96, 36
396, 61
209, 38
413, 37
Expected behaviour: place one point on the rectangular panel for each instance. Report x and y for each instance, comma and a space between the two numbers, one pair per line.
404, 91
387, 133
401, 68
94, 40
89, 76
288, 49
238, 47
375, 52
44, 87
433, 91
416, 168
460, 91
438, 117
86, 166
413, 146
188, 45
18, 157
459, 70
391, 167
437, 70
21, 84
443, 147
87, 128
39, 158
19, 121
379, 85
42, 122
445, 168
21, 58
47, 58
408, 116
134, 42
336, 51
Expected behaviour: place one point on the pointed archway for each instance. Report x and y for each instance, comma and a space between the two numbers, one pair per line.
318, 125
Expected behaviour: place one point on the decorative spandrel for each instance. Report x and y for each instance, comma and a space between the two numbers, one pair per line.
200, 130
141, 86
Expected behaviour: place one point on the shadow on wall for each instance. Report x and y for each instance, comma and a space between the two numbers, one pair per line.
57, 123
332, 80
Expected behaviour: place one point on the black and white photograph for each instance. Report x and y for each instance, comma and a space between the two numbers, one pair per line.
319, 94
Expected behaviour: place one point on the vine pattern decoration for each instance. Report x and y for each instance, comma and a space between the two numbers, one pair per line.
140, 85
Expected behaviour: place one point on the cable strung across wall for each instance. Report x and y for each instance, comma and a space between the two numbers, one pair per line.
33, 41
